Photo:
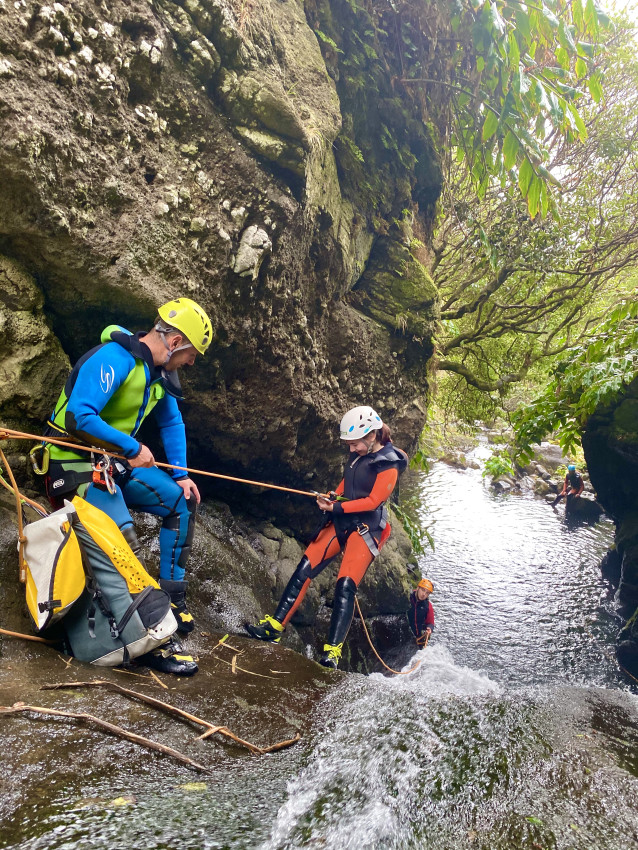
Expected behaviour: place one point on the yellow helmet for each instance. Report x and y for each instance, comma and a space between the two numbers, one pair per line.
426, 584
188, 317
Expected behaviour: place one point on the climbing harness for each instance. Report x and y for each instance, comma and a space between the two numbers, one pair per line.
365, 629
7, 433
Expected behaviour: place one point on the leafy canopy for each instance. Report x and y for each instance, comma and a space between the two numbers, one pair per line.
521, 70
590, 375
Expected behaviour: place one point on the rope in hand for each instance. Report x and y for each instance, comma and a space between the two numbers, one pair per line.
7, 433
365, 629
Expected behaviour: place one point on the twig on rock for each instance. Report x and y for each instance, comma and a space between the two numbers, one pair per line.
211, 729
20, 707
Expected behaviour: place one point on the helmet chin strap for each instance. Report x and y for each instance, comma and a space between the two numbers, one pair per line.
169, 351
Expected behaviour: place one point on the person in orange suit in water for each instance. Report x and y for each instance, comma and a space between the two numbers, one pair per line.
356, 525
421, 612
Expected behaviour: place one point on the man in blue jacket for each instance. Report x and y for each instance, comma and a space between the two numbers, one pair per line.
109, 393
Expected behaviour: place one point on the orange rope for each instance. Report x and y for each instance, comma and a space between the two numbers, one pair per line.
22, 564
365, 629
6, 433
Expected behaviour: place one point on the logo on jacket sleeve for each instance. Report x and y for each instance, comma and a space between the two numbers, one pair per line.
107, 377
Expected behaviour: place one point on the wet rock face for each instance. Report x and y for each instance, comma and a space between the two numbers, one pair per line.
610, 442
152, 150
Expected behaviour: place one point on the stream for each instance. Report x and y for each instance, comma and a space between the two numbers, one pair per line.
516, 731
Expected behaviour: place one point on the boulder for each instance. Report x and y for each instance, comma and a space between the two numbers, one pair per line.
584, 507
550, 456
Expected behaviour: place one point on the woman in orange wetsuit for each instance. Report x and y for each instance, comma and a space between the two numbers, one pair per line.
356, 525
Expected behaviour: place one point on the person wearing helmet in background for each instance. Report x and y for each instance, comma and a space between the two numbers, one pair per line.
356, 525
109, 393
421, 612
572, 488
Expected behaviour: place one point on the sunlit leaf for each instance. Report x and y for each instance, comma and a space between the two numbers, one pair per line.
534, 196
510, 150
490, 126
525, 174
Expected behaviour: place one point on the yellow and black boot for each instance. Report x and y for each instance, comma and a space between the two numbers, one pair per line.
177, 591
331, 655
267, 629
342, 613
170, 658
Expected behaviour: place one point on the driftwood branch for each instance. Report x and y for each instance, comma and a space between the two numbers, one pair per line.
28, 637
210, 728
20, 707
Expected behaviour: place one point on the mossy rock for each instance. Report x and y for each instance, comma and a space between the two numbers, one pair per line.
397, 291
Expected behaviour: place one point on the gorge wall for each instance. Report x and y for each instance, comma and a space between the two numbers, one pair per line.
610, 441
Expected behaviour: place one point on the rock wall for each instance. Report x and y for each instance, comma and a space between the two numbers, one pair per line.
610, 442
207, 148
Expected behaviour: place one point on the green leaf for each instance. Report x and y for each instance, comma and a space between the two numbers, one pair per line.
578, 15
577, 121
591, 18
562, 57
480, 64
595, 88
495, 19
510, 150
522, 24
551, 18
580, 68
544, 199
565, 38
490, 126
534, 196
514, 52
525, 175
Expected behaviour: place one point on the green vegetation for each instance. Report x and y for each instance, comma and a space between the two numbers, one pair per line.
522, 300
500, 463
591, 374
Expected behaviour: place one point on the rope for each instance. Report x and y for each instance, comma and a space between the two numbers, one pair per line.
22, 564
365, 629
627, 672
6, 433
37, 507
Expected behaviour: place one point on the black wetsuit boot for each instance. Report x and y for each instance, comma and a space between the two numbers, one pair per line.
271, 628
342, 613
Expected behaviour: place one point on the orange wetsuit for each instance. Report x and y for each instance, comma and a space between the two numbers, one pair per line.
357, 527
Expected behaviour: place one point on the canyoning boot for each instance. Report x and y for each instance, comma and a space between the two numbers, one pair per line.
267, 629
331, 655
342, 612
177, 591
169, 658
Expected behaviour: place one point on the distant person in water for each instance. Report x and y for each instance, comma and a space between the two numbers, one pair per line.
421, 612
572, 488
355, 524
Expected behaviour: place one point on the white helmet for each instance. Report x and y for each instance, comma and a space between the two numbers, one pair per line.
358, 422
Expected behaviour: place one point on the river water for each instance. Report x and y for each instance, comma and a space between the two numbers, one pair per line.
516, 731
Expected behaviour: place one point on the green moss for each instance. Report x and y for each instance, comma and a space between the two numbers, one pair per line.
397, 291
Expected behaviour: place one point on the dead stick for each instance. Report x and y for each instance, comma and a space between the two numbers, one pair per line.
27, 637
156, 703
20, 707
250, 672
158, 680
282, 744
